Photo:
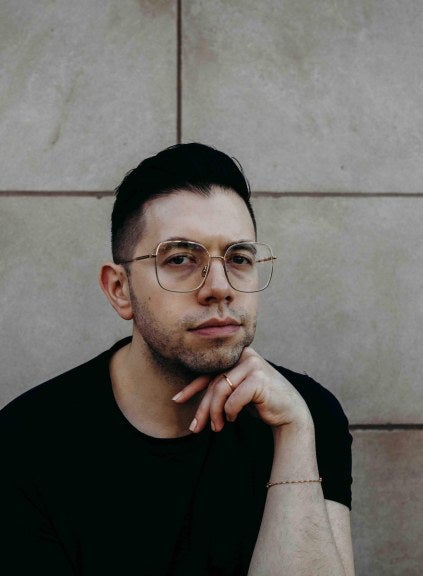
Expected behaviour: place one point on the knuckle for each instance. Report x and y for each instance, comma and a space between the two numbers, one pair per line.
255, 362
248, 350
230, 409
221, 385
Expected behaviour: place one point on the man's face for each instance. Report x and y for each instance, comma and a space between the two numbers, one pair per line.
169, 323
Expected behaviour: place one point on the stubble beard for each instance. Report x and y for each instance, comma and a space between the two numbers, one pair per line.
169, 353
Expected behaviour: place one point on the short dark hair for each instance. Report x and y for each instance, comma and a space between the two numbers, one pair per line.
189, 167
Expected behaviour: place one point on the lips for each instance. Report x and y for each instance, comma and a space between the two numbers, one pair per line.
217, 328
216, 322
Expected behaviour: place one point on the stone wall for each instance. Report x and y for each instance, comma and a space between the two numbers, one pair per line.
322, 104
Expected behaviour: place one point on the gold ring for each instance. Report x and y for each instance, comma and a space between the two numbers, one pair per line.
231, 386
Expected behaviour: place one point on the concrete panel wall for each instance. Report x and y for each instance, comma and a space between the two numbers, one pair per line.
321, 102
313, 95
87, 89
388, 510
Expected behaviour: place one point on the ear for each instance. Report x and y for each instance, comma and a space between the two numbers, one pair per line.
114, 282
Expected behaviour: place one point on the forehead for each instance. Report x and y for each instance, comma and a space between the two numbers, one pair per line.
220, 218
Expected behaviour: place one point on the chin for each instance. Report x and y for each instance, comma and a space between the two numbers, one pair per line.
213, 361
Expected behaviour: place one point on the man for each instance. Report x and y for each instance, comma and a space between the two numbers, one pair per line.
179, 451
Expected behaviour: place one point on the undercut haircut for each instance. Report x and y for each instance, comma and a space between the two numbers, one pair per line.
192, 167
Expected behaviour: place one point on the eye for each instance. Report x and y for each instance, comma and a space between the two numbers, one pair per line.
179, 260
240, 259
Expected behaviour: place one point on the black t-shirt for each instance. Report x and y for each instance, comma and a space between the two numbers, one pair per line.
85, 493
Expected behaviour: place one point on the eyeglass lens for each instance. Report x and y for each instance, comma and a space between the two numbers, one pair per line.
181, 265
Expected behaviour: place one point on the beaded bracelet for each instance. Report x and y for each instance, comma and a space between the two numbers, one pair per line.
270, 484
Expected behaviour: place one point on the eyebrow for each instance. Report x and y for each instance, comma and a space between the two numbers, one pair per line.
183, 239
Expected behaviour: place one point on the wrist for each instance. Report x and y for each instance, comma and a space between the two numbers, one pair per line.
302, 423
294, 454
296, 436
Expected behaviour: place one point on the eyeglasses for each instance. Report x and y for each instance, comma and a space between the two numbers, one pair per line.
183, 266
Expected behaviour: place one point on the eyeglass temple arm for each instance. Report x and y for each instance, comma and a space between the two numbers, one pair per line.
138, 258
267, 259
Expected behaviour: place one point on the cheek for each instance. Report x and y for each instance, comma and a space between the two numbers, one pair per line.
250, 304
168, 307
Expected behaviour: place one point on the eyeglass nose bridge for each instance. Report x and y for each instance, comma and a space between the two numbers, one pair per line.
206, 269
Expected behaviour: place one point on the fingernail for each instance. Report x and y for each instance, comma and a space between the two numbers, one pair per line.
177, 396
193, 425
213, 427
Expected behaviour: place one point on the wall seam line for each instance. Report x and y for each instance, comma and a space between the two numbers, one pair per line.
178, 71
315, 195
56, 193
387, 426
354, 194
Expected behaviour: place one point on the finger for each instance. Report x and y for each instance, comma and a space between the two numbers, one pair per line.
248, 352
226, 384
203, 412
222, 389
192, 388
245, 394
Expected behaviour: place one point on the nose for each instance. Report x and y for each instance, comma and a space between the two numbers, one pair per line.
216, 286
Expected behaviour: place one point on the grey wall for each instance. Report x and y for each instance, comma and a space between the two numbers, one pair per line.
322, 104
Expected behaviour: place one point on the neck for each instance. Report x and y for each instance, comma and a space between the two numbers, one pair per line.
144, 385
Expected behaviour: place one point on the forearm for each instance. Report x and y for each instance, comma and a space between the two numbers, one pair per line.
295, 537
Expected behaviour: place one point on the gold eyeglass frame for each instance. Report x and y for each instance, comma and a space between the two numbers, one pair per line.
206, 268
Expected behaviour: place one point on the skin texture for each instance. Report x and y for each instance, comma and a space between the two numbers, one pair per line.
177, 348
182, 387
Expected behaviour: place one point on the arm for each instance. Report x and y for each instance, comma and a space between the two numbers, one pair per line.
297, 533
339, 518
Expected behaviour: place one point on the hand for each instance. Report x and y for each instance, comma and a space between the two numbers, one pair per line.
254, 382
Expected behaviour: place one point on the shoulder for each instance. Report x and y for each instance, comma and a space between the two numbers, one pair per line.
57, 392
322, 403
55, 402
